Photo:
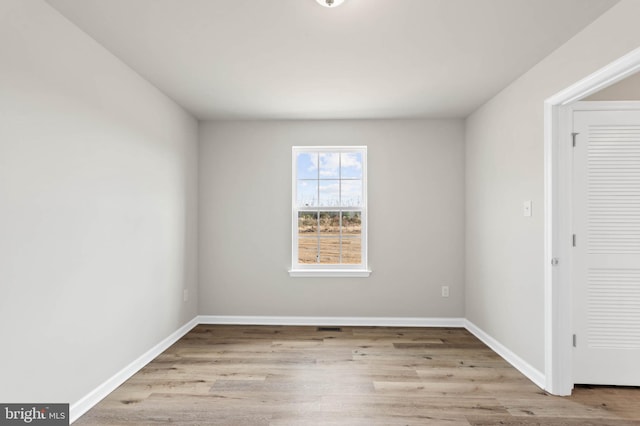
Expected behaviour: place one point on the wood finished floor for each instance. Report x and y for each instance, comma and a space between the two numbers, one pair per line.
263, 375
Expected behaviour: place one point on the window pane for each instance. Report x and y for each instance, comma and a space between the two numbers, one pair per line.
307, 165
307, 224
351, 164
329, 193
351, 224
329, 224
351, 193
330, 250
330, 241
307, 193
307, 250
329, 165
351, 250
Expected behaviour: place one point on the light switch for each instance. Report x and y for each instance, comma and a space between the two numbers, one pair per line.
526, 208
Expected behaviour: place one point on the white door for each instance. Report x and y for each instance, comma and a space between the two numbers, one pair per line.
606, 256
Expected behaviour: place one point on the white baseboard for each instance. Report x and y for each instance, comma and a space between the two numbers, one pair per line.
85, 404
521, 365
335, 321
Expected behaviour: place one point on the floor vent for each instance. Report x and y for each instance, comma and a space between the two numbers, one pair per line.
329, 329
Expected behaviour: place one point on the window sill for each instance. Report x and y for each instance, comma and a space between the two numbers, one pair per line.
330, 273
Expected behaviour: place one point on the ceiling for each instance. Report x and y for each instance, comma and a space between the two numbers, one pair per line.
294, 59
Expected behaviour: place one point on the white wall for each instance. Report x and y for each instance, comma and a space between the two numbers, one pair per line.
416, 220
97, 210
504, 167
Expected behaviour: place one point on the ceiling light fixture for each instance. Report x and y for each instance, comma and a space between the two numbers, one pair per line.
330, 3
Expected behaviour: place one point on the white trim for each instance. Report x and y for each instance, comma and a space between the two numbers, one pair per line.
599, 106
336, 321
604, 77
557, 278
330, 273
83, 405
94, 397
533, 374
329, 148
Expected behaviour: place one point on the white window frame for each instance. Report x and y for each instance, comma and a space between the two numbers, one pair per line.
328, 270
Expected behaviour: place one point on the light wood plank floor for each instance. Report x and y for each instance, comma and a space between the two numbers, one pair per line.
252, 375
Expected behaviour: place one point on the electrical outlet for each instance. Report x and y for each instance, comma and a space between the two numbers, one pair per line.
185, 295
445, 291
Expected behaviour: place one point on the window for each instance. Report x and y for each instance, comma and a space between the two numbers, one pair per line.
329, 221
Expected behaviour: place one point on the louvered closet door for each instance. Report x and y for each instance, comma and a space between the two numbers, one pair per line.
606, 256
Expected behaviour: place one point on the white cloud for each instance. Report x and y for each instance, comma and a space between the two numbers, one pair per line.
350, 159
330, 163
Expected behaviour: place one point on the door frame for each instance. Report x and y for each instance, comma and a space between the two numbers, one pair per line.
557, 218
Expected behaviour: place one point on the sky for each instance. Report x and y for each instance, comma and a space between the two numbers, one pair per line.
329, 179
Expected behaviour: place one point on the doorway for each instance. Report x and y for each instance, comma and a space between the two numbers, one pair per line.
558, 225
